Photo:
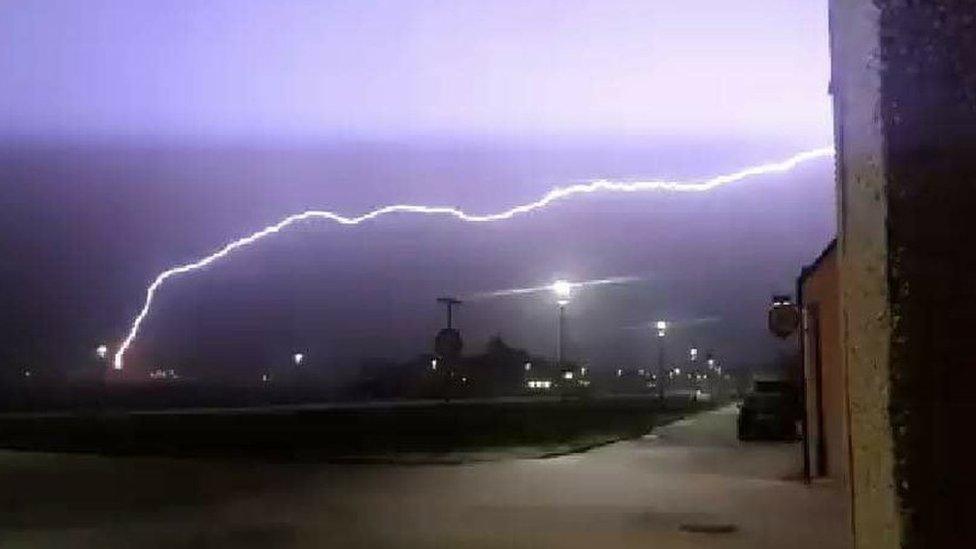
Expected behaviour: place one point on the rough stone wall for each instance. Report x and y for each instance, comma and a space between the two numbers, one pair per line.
928, 113
904, 83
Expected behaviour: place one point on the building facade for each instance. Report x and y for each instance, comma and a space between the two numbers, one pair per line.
825, 376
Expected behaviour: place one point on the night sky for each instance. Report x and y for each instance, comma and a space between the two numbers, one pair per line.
140, 135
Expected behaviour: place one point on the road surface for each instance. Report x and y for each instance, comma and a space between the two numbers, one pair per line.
691, 475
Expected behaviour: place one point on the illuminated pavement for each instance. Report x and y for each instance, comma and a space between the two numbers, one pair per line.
630, 494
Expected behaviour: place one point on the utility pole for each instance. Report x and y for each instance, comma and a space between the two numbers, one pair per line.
449, 303
660, 371
447, 345
559, 335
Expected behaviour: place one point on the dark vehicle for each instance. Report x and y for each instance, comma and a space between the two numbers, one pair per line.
769, 412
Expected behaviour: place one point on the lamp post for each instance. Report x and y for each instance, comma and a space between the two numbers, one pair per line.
101, 352
563, 291
662, 330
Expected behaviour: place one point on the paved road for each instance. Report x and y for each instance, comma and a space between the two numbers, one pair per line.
631, 494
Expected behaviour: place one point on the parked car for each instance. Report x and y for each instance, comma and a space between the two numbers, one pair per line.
769, 412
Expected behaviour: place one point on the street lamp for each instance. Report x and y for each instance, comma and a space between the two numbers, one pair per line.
662, 329
563, 291
693, 354
298, 358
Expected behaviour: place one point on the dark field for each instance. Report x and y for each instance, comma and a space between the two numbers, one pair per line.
345, 432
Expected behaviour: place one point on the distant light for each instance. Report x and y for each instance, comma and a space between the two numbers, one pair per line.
464, 380
298, 358
693, 353
265, 378
640, 372
27, 373
619, 372
433, 364
660, 333
101, 351
661, 325
562, 289
677, 371
160, 373
583, 371
711, 362
528, 366
568, 374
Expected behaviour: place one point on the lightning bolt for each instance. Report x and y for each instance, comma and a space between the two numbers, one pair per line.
554, 195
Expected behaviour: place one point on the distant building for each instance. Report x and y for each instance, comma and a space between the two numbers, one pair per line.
827, 417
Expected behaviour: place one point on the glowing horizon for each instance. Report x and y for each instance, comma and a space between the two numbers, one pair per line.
552, 196
550, 287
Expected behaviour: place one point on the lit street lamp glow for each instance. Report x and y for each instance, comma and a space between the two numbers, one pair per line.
101, 352
662, 327
562, 289
298, 358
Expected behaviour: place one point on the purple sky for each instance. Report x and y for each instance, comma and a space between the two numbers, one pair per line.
286, 69
140, 135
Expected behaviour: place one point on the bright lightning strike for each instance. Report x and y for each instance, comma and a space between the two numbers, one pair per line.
550, 197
